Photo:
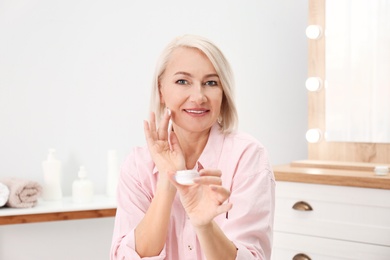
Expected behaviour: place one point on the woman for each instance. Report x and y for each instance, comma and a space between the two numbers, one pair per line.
228, 213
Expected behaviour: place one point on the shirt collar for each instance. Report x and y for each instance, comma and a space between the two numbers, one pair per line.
212, 151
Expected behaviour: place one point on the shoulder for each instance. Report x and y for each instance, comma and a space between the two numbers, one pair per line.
239, 139
247, 150
141, 153
138, 159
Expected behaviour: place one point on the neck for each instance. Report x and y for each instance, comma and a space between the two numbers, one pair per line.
192, 145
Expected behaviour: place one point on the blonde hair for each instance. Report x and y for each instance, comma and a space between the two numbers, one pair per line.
228, 118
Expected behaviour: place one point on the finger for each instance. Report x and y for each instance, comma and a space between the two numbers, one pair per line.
210, 172
163, 128
224, 208
148, 135
174, 143
221, 193
207, 180
152, 125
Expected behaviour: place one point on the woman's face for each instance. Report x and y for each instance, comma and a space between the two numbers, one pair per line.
191, 89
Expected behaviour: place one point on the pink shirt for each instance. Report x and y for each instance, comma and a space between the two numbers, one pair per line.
246, 171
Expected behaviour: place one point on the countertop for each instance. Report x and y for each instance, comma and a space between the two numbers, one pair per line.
333, 173
65, 209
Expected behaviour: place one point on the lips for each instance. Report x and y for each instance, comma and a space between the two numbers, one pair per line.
196, 111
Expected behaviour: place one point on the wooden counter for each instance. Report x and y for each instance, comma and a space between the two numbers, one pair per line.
333, 173
101, 206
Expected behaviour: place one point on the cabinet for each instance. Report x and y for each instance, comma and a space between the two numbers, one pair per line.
331, 222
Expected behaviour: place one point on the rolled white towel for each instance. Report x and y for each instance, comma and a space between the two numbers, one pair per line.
22, 193
4, 194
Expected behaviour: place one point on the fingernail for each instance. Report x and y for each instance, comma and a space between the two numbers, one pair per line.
168, 111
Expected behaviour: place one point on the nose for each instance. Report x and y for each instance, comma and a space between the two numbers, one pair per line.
197, 94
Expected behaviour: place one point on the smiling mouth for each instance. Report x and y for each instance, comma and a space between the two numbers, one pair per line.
198, 112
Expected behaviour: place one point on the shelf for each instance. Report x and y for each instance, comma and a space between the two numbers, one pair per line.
66, 209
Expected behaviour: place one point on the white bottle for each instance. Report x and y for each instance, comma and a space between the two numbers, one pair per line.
112, 173
82, 188
52, 177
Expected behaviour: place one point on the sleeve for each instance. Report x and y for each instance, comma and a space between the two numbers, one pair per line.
132, 202
249, 224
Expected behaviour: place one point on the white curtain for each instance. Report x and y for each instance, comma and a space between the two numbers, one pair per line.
357, 62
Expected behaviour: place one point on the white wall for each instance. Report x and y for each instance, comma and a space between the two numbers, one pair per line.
75, 75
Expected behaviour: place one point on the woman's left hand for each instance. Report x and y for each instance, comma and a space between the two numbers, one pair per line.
204, 200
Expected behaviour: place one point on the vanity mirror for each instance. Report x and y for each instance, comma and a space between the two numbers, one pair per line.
357, 68
372, 147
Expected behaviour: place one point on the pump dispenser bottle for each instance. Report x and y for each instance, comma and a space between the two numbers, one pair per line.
82, 188
52, 177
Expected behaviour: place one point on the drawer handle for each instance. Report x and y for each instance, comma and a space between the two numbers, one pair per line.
301, 257
302, 206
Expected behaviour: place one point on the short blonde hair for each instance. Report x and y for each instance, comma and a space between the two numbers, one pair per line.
229, 118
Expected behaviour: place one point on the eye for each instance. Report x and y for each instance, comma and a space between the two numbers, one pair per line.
182, 82
211, 83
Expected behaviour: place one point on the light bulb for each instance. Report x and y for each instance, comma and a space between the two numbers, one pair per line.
313, 32
313, 135
313, 84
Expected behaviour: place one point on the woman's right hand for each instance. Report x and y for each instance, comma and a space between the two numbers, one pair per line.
166, 154
204, 200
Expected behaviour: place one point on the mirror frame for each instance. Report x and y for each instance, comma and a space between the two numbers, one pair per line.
332, 151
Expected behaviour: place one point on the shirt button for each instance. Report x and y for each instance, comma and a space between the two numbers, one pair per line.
189, 247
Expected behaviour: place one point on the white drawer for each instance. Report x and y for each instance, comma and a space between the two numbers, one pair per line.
346, 213
286, 246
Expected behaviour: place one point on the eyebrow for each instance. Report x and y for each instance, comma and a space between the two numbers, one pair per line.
190, 75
